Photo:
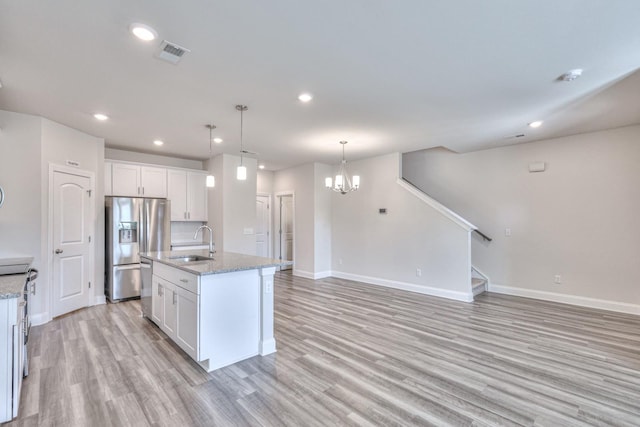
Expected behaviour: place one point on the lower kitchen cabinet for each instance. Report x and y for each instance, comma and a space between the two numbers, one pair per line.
11, 356
175, 311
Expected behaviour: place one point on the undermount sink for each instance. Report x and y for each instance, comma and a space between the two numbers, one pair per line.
190, 258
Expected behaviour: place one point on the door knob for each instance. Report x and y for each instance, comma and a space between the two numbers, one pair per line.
59, 251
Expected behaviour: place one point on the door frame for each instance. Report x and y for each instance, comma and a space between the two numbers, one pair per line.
269, 225
53, 168
293, 220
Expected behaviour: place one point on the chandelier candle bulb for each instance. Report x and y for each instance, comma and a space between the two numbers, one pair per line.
356, 181
328, 182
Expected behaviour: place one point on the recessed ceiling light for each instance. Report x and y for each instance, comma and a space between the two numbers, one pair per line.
143, 32
158, 142
100, 116
217, 140
571, 75
535, 124
305, 97
261, 167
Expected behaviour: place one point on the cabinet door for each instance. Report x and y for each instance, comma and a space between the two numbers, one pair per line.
125, 180
187, 322
107, 179
197, 196
170, 309
157, 301
153, 181
177, 193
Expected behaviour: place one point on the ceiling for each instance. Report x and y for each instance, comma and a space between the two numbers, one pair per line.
386, 76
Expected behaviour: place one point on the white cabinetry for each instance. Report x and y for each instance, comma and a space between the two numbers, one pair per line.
175, 306
131, 180
188, 194
217, 319
11, 356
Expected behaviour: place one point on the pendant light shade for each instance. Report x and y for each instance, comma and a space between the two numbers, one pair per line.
342, 183
211, 180
241, 173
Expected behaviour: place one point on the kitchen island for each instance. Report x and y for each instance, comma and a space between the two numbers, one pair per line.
219, 310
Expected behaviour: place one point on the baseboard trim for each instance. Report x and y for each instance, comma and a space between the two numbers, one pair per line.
99, 299
310, 275
620, 307
411, 287
267, 347
39, 319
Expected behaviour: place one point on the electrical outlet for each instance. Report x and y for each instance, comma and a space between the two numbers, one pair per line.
557, 279
340, 261
507, 232
418, 272
268, 287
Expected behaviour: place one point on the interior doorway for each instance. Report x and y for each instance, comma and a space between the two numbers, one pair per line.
263, 225
71, 208
285, 225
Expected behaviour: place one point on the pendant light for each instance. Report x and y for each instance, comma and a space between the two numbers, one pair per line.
343, 184
241, 173
211, 180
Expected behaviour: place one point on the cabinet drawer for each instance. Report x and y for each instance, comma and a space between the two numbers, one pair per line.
180, 278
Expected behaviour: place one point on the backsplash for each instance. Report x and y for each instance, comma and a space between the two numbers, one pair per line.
182, 232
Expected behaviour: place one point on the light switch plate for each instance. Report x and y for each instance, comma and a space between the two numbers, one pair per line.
248, 230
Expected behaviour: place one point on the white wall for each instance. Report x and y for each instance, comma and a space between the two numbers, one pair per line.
20, 172
387, 248
155, 159
232, 207
28, 144
577, 219
59, 144
265, 182
300, 181
322, 205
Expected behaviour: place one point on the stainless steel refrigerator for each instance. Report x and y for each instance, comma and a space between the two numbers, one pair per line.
133, 225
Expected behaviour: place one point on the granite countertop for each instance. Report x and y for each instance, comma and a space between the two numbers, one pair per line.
12, 285
222, 262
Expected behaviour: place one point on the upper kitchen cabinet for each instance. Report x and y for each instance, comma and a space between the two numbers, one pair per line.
188, 194
138, 181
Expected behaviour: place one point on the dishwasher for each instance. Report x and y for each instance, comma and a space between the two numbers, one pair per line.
146, 271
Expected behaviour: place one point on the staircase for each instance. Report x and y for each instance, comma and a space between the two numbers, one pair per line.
479, 282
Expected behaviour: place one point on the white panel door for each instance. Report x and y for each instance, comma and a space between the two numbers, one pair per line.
177, 194
153, 182
125, 179
72, 228
197, 196
262, 226
286, 229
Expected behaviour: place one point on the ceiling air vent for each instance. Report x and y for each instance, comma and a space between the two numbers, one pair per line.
171, 52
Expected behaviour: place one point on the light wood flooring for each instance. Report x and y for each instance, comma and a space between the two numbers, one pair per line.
348, 354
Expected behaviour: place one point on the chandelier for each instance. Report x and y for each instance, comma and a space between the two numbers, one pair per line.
342, 183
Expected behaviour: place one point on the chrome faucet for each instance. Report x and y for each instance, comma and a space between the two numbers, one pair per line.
195, 236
